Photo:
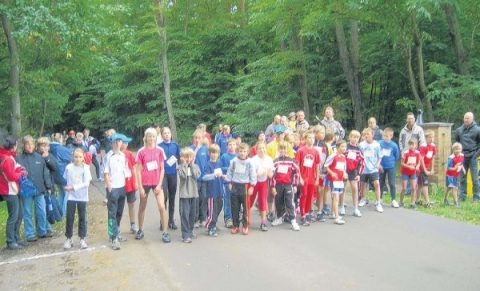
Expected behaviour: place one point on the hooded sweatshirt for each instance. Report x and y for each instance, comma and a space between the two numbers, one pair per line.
10, 173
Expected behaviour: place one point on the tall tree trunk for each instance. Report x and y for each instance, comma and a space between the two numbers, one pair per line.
349, 68
421, 72
187, 16
411, 77
162, 33
302, 79
456, 37
14, 76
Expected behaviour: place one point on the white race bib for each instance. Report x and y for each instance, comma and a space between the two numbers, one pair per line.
340, 166
429, 154
240, 169
218, 171
386, 152
369, 153
351, 155
171, 161
338, 184
282, 169
307, 163
189, 171
412, 160
152, 166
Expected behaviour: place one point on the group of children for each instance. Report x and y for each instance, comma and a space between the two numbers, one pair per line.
281, 178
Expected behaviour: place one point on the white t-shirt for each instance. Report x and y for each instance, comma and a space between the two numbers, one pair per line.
262, 165
79, 178
116, 168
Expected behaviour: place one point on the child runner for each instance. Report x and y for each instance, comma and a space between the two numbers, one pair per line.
241, 179
188, 173
225, 160
336, 168
78, 177
427, 151
213, 178
130, 186
390, 156
454, 167
354, 165
264, 168
150, 174
284, 184
372, 154
200, 148
322, 202
308, 160
410, 166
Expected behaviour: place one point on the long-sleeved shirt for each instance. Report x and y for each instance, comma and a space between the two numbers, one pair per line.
285, 171
188, 175
242, 171
390, 154
214, 183
79, 178
37, 170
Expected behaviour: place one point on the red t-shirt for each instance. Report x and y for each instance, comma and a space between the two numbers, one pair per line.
152, 165
338, 165
427, 152
411, 158
131, 182
308, 159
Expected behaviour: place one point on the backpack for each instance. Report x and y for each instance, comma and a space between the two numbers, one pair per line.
95, 142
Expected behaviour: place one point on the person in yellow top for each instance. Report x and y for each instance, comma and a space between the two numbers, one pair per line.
292, 121
272, 147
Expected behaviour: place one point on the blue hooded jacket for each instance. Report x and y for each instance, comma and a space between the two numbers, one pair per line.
64, 157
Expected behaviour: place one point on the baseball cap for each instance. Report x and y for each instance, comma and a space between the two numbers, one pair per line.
292, 114
121, 137
279, 128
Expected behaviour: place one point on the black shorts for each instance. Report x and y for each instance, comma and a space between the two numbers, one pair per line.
367, 178
422, 179
352, 175
131, 197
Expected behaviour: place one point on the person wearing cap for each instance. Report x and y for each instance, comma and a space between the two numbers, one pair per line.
301, 122
292, 121
9, 190
116, 172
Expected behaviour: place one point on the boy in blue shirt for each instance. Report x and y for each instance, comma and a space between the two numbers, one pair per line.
200, 149
390, 156
225, 161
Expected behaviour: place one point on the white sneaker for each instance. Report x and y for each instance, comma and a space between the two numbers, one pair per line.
295, 225
357, 212
277, 221
116, 244
67, 244
378, 207
99, 180
395, 204
83, 244
341, 211
362, 202
339, 221
134, 228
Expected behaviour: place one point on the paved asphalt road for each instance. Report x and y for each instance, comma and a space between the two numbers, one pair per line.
399, 249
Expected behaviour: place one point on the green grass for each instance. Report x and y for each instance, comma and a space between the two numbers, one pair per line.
467, 212
3, 219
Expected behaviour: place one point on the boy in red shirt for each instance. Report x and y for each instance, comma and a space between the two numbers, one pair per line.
336, 168
130, 186
427, 151
454, 167
354, 165
410, 165
308, 160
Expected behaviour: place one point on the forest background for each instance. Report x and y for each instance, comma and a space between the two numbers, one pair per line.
127, 64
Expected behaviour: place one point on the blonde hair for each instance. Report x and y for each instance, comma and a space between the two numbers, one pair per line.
412, 141
329, 135
283, 145
187, 152
243, 146
43, 141
149, 131
28, 139
82, 153
58, 137
429, 133
318, 128
457, 145
365, 130
214, 148
388, 130
354, 133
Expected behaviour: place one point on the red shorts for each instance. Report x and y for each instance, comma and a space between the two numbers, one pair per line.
261, 188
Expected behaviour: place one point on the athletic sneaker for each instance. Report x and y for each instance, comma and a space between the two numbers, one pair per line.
245, 230
363, 202
67, 244
304, 221
395, 204
339, 221
456, 204
321, 217
229, 223
212, 231
357, 213
400, 204
295, 225
166, 237
270, 216
139, 234
234, 230
445, 202
121, 238
378, 207
116, 244
133, 228
197, 224
277, 221
413, 206
326, 210
341, 211
187, 240
83, 244
263, 227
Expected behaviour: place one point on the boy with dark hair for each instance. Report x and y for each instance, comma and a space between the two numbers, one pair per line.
427, 168
390, 156
225, 160
454, 167
354, 165
214, 183
336, 168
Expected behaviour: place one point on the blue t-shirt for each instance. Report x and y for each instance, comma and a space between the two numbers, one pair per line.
372, 154
222, 142
214, 184
170, 149
225, 161
390, 154
201, 159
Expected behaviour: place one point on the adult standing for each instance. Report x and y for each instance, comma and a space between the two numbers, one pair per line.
301, 122
37, 171
270, 131
10, 189
411, 130
330, 123
377, 132
64, 157
468, 135
172, 153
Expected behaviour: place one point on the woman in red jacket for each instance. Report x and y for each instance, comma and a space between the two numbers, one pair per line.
11, 172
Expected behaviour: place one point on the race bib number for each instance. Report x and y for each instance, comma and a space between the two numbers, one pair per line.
77, 179
127, 171
412, 160
429, 154
386, 152
340, 166
307, 163
171, 161
338, 184
218, 171
152, 166
282, 169
369, 153
189, 171
351, 155
240, 169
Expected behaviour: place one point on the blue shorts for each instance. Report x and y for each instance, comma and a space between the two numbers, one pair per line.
409, 177
367, 178
336, 190
451, 182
